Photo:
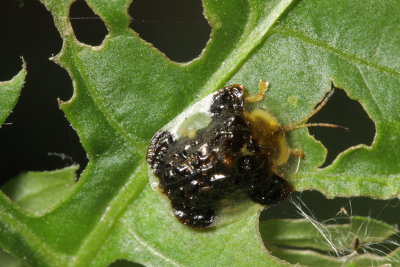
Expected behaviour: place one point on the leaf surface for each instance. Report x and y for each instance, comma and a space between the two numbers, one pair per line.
38, 192
126, 90
313, 243
9, 94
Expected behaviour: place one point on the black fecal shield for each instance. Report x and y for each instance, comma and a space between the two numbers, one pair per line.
196, 173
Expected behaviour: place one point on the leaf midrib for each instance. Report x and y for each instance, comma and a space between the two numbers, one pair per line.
232, 63
94, 240
91, 243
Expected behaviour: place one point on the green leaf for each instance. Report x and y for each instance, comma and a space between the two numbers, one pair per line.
39, 192
9, 93
319, 43
126, 90
314, 243
314, 259
302, 233
9, 261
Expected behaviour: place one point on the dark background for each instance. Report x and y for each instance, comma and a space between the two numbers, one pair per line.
37, 136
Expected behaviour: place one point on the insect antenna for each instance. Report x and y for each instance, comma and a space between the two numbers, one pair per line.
302, 123
292, 127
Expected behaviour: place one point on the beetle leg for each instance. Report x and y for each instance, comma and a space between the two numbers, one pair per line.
302, 123
263, 87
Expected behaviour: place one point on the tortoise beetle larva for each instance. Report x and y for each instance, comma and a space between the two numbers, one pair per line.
228, 150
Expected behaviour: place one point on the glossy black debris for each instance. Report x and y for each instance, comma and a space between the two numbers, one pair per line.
223, 158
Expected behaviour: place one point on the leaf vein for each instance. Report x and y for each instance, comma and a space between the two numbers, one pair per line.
135, 143
247, 45
153, 250
47, 253
377, 107
299, 35
90, 245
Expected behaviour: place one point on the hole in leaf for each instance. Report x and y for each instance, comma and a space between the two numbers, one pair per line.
343, 111
176, 27
311, 230
36, 136
10, 63
125, 263
88, 27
